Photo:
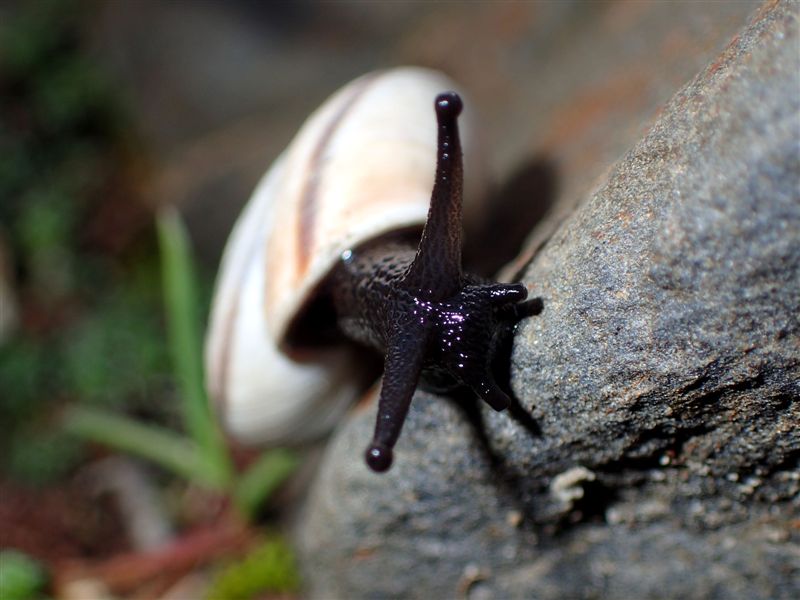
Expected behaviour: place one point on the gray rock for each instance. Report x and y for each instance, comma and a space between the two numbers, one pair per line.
432, 525
663, 376
670, 327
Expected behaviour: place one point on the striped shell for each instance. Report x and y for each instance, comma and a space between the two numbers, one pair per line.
361, 166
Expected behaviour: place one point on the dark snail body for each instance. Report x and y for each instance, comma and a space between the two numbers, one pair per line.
329, 243
435, 324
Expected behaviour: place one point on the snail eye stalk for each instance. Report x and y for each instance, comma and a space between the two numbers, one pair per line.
436, 273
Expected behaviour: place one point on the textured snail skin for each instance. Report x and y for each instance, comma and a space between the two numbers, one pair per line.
435, 324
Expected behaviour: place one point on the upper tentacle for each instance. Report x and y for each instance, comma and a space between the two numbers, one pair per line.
436, 271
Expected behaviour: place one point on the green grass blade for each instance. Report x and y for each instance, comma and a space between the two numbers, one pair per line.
256, 484
21, 577
159, 445
184, 336
267, 571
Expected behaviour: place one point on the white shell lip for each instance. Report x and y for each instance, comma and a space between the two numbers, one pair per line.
362, 165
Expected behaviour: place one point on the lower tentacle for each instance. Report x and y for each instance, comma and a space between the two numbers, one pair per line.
404, 354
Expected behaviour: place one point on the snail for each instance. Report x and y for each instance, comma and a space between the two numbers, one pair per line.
329, 248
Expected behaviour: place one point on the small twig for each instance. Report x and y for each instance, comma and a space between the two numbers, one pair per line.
126, 572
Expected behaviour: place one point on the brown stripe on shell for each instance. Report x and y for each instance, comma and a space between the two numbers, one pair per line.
309, 194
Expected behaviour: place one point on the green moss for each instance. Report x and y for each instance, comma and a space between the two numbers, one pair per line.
44, 234
270, 568
21, 578
117, 353
92, 324
38, 455
23, 366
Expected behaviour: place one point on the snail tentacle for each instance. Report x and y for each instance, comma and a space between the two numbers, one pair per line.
513, 313
486, 388
436, 271
402, 366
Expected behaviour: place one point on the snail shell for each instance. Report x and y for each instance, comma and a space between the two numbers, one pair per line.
361, 167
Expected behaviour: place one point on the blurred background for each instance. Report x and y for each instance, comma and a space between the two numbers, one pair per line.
114, 481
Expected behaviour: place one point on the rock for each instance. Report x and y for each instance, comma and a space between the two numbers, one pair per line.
671, 298
662, 378
432, 525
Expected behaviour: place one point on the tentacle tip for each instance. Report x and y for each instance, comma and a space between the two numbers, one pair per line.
530, 307
500, 404
379, 457
448, 104
535, 306
507, 293
495, 397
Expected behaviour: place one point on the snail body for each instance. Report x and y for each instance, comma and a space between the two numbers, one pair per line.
333, 225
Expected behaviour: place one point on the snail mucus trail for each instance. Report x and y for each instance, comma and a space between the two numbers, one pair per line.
411, 301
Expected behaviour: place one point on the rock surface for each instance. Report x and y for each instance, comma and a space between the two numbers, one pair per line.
663, 377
